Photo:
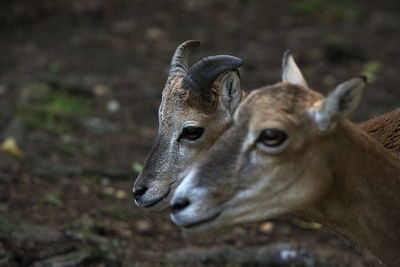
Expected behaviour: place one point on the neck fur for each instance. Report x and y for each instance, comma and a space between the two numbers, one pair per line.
363, 202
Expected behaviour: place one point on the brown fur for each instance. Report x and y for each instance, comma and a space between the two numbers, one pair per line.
169, 157
176, 96
343, 178
385, 129
179, 104
362, 203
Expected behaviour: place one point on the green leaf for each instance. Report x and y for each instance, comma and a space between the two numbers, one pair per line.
53, 199
370, 69
54, 66
137, 167
307, 224
10, 147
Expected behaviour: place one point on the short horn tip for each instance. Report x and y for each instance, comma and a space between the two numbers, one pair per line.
286, 56
232, 60
191, 43
287, 52
179, 61
239, 61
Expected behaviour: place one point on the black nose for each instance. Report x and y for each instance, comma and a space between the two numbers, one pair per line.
179, 204
139, 191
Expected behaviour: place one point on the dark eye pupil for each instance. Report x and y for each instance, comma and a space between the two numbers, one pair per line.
272, 137
191, 133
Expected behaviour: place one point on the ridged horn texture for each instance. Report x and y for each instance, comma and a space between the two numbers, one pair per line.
202, 75
179, 62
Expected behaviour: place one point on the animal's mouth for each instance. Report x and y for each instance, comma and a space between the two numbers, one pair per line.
192, 226
155, 202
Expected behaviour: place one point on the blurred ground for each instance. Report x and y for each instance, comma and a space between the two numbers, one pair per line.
80, 84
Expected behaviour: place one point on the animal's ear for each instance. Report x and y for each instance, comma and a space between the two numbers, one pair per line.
290, 71
230, 93
339, 104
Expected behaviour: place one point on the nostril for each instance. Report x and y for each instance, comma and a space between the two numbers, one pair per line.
139, 191
179, 204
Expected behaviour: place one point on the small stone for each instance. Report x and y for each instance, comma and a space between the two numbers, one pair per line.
143, 226
101, 90
266, 227
113, 106
105, 181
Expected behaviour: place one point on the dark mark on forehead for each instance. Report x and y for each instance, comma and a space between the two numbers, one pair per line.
179, 98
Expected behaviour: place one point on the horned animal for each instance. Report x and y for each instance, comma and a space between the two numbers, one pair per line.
197, 106
195, 109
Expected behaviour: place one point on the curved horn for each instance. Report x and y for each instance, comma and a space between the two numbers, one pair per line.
179, 62
202, 74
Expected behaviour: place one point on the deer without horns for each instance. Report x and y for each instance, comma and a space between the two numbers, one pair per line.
289, 149
192, 118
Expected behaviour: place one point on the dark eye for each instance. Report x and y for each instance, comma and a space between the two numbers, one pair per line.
272, 137
191, 133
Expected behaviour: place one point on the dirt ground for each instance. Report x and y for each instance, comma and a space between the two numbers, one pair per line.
80, 84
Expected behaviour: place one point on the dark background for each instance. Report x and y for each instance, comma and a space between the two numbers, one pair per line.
80, 84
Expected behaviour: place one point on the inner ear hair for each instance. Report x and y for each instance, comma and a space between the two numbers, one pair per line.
340, 103
230, 91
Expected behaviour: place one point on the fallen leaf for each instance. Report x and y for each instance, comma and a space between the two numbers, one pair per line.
108, 190
307, 225
121, 194
10, 147
371, 69
111, 191
53, 199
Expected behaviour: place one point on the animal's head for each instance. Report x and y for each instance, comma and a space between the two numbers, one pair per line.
195, 110
272, 160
